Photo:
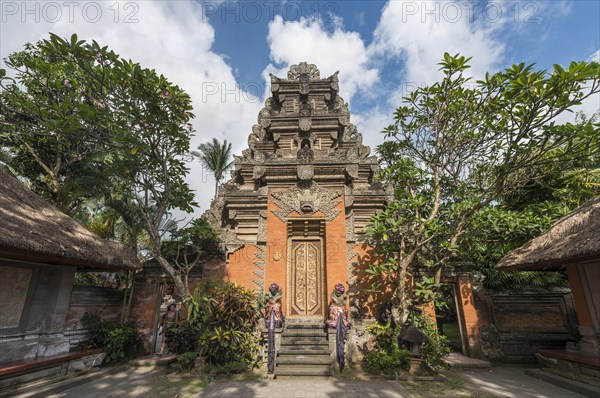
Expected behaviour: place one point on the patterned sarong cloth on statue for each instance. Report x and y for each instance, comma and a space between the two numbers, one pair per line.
340, 337
273, 310
271, 342
336, 312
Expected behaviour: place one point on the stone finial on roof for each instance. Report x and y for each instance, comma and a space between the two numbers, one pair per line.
304, 68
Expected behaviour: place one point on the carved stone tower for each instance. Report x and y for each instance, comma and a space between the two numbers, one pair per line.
295, 207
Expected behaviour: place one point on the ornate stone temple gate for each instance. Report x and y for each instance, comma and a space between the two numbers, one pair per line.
294, 210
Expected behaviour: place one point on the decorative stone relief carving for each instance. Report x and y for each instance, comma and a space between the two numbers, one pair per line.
307, 201
274, 83
228, 239
348, 196
352, 170
335, 82
306, 172
364, 151
247, 153
304, 68
261, 236
351, 254
350, 236
304, 108
265, 118
304, 88
259, 157
305, 155
260, 264
258, 172
263, 191
305, 124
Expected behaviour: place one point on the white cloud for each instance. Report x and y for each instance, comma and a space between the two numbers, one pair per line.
172, 37
420, 33
291, 42
371, 124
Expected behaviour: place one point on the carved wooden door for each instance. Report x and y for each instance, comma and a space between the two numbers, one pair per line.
306, 278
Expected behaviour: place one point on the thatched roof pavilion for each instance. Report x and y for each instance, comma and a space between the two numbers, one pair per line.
572, 244
573, 238
35, 231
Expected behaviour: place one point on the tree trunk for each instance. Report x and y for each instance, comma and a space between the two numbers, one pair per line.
401, 299
178, 277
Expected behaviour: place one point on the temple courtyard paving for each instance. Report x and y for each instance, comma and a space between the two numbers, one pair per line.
504, 382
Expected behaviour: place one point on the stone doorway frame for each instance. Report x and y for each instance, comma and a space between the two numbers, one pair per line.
460, 318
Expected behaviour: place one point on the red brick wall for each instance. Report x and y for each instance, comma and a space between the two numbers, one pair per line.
241, 266
276, 267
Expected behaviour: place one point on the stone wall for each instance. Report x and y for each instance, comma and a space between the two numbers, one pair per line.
524, 322
38, 329
145, 307
150, 285
107, 303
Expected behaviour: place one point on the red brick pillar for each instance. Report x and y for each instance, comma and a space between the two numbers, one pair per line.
469, 316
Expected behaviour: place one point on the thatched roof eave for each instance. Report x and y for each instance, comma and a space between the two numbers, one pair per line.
572, 239
35, 231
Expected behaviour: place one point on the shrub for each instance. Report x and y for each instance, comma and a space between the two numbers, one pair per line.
387, 357
118, 341
436, 347
381, 361
227, 316
181, 338
185, 361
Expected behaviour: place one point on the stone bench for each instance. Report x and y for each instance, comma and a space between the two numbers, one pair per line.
577, 357
574, 365
27, 370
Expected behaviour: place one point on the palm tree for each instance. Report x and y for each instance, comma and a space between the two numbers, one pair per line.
216, 157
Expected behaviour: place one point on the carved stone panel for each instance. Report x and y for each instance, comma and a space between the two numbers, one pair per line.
258, 172
261, 236
350, 236
307, 201
352, 170
306, 172
305, 124
14, 284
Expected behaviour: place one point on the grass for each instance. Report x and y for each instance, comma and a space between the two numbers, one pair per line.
451, 331
453, 387
182, 386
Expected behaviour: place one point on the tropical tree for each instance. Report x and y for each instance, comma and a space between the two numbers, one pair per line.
56, 118
455, 148
216, 157
522, 214
75, 111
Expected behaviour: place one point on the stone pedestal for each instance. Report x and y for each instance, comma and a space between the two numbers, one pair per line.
264, 351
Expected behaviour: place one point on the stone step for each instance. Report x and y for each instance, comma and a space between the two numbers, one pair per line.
319, 326
303, 341
300, 371
304, 347
304, 333
304, 360
310, 350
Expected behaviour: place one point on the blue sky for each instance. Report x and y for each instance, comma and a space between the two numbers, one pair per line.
221, 52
